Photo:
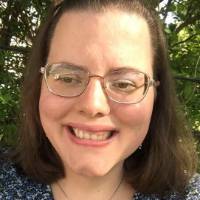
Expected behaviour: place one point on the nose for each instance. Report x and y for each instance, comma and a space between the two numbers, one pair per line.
93, 102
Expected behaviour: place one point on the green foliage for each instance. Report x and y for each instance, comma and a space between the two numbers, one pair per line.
19, 21
9, 100
183, 35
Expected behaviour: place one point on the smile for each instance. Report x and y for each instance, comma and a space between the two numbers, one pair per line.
92, 135
100, 136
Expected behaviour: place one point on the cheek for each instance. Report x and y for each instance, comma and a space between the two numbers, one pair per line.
133, 121
135, 118
135, 113
51, 107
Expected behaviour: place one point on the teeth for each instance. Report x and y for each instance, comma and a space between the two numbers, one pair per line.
91, 135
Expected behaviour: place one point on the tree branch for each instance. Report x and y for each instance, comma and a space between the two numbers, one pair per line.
183, 41
167, 9
189, 21
192, 79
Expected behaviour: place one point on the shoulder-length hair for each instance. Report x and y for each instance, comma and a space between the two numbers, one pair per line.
167, 159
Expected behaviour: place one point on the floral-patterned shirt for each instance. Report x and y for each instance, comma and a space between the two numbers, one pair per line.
14, 185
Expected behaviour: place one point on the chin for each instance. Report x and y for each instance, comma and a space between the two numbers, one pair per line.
91, 171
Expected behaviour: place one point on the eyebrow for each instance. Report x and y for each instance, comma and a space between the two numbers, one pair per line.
124, 68
81, 67
112, 70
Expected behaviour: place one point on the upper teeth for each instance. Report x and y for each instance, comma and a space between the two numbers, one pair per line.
91, 135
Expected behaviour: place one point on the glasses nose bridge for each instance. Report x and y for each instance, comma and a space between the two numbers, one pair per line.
102, 82
99, 77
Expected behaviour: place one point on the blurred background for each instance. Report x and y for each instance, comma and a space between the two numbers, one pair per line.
19, 22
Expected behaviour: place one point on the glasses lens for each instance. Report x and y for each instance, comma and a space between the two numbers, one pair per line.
65, 80
127, 86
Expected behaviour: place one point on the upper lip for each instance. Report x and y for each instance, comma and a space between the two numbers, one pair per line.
92, 128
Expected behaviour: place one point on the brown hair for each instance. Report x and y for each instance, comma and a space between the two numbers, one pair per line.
167, 159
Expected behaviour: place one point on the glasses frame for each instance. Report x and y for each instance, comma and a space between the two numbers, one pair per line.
150, 82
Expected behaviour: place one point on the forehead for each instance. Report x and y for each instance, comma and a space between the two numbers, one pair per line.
112, 20
108, 37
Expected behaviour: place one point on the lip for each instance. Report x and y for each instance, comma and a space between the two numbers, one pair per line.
98, 129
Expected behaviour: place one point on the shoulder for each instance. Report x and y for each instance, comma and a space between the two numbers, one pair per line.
192, 192
15, 185
193, 188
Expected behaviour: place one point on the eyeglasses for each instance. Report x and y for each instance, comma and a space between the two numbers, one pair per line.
124, 85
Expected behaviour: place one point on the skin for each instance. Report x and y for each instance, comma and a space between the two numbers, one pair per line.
100, 42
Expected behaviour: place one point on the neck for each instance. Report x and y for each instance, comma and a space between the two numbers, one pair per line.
78, 186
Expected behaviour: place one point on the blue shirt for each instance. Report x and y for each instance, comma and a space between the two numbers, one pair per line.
14, 185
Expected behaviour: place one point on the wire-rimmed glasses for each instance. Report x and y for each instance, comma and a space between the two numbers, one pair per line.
123, 85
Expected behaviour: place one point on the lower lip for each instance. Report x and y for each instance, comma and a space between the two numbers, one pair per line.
89, 143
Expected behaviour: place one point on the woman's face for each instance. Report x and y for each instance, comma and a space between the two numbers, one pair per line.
100, 42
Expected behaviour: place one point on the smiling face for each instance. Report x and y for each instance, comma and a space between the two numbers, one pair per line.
91, 133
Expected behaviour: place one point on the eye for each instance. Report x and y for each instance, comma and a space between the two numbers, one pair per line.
123, 85
68, 79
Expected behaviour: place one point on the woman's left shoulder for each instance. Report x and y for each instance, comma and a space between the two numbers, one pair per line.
193, 188
192, 192
14, 184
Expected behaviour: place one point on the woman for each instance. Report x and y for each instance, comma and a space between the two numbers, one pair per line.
100, 118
